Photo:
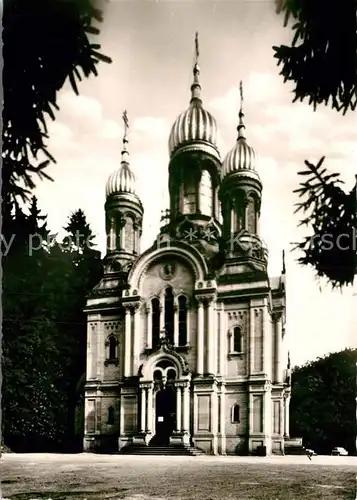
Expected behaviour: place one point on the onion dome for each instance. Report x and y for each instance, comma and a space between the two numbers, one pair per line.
242, 158
122, 180
195, 128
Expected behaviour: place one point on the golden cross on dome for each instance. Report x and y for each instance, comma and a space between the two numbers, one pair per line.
126, 121
241, 96
197, 50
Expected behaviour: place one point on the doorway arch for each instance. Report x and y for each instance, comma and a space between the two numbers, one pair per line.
165, 411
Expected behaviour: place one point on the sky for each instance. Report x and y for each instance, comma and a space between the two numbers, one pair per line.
151, 44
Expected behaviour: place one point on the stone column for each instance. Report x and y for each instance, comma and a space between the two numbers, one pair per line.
186, 409
136, 339
200, 337
211, 338
149, 412
162, 312
111, 242
223, 343
251, 340
214, 421
176, 326
223, 420
188, 323
149, 327
127, 356
178, 409
278, 351
143, 410
286, 416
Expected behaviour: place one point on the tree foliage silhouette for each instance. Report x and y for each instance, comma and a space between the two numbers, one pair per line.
46, 42
322, 58
322, 62
323, 402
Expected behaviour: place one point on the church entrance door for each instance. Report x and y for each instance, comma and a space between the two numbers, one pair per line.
165, 415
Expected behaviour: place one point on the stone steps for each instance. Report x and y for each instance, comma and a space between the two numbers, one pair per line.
161, 450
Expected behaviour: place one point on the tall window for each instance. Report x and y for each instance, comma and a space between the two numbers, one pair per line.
182, 306
189, 196
251, 225
111, 416
169, 313
155, 305
235, 414
206, 193
237, 339
112, 347
129, 235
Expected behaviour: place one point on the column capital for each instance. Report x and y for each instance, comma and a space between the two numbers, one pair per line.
146, 385
181, 384
277, 315
205, 298
131, 305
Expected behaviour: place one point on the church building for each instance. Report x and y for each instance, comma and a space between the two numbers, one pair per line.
186, 341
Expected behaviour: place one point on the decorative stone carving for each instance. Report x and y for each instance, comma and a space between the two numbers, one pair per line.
112, 326
168, 271
277, 316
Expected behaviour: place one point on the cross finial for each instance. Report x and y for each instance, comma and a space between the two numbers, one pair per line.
197, 49
241, 125
284, 270
126, 122
196, 87
241, 97
124, 152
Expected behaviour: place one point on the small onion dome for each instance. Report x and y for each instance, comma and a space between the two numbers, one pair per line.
121, 181
242, 158
195, 125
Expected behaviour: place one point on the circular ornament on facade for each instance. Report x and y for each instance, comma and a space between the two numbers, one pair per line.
167, 271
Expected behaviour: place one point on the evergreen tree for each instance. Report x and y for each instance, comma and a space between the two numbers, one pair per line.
86, 273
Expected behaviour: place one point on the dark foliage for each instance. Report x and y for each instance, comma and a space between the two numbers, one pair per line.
332, 214
322, 62
323, 402
44, 333
45, 42
322, 59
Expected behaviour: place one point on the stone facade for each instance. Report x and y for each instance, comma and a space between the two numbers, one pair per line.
186, 341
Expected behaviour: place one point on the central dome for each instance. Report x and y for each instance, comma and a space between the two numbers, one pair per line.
195, 128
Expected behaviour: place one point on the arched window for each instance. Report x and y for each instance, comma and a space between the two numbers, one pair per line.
237, 339
157, 375
112, 348
155, 306
235, 414
169, 313
190, 195
171, 374
182, 319
111, 416
206, 193
129, 235
251, 224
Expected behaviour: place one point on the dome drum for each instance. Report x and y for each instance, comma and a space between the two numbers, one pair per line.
121, 201
245, 181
